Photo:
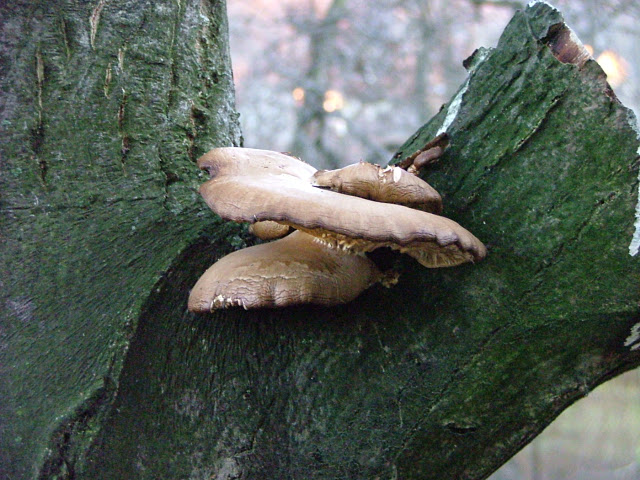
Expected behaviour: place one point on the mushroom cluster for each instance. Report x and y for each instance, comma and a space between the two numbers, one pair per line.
336, 217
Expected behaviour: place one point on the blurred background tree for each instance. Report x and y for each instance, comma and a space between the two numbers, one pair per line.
326, 78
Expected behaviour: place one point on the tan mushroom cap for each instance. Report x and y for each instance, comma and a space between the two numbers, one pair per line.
250, 185
291, 271
389, 185
247, 161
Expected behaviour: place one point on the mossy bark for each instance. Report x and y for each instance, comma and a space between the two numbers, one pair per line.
446, 375
105, 107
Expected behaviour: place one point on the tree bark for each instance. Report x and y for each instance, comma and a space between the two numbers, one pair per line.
105, 106
448, 374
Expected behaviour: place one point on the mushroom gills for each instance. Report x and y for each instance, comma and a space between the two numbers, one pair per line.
454, 248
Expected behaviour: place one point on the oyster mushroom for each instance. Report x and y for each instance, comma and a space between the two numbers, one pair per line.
356, 210
293, 270
426, 155
389, 185
250, 185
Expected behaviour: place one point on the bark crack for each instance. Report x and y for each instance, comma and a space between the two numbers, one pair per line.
94, 21
69, 441
258, 428
125, 142
65, 37
173, 58
37, 133
172, 95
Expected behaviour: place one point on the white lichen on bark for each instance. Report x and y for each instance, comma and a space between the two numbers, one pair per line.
634, 246
633, 340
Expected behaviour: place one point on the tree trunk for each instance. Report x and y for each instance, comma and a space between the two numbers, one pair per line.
105, 107
104, 373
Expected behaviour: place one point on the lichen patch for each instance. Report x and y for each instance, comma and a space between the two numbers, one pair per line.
634, 246
454, 108
633, 340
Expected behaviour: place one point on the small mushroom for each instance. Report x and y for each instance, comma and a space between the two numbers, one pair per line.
269, 230
389, 185
426, 155
290, 271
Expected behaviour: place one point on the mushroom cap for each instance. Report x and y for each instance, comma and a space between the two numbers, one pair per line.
290, 271
427, 157
250, 185
242, 161
389, 185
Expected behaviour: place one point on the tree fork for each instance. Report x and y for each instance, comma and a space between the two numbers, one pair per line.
447, 375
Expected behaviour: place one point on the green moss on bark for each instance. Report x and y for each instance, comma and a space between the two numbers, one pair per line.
99, 195
444, 376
